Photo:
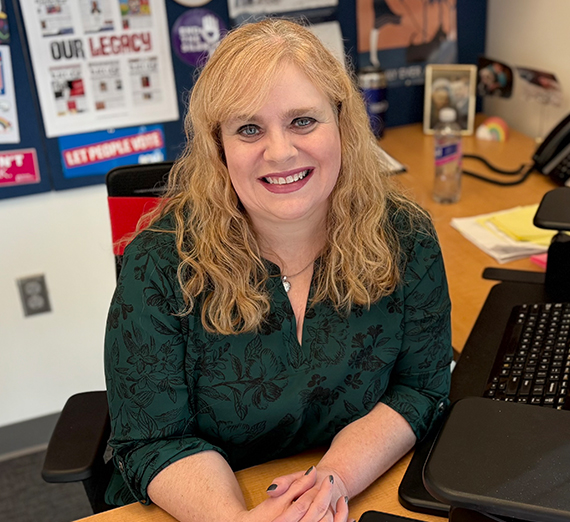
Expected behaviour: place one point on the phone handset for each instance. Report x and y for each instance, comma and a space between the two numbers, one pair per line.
552, 157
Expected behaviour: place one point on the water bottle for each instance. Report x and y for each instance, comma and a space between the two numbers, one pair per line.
447, 137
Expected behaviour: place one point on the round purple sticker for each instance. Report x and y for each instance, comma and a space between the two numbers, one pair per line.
196, 34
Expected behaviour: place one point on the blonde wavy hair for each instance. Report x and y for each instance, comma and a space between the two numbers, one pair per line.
220, 260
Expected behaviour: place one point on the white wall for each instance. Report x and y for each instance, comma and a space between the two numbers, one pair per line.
45, 358
534, 34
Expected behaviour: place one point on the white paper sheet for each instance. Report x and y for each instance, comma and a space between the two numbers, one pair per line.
492, 241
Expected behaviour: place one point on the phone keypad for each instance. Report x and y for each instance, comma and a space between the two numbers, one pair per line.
562, 170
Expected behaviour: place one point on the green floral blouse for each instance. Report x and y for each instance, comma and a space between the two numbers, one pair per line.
175, 390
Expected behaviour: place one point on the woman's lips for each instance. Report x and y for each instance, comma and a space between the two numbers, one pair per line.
289, 182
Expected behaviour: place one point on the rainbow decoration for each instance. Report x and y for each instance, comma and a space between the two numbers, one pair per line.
4, 124
493, 129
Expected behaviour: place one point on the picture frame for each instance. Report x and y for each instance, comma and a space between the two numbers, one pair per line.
450, 85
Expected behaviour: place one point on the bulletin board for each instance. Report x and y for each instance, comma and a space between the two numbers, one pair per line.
24, 167
78, 78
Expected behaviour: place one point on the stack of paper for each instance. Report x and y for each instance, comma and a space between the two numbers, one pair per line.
392, 164
506, 235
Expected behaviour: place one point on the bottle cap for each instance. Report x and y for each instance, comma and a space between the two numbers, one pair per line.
447, 114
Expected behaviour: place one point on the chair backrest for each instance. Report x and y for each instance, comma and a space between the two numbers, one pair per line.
132, 190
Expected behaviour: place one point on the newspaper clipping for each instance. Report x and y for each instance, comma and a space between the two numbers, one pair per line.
136, 14
145, 80
54, 17
108, 86
68, 91
96, 15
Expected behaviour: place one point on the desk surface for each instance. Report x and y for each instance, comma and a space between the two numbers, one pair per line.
464, 265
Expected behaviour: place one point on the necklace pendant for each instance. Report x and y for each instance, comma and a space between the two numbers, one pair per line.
286, 284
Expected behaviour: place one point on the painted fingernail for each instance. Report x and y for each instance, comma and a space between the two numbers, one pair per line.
331, 478
272, 487
309, 470
346, 499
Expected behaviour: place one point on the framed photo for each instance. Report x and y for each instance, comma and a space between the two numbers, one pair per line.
454, 86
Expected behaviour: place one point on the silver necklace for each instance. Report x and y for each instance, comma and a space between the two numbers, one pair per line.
285, 279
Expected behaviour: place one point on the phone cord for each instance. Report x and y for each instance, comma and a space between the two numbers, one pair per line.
520, 170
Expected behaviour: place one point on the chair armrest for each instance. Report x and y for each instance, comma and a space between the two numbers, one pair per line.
79, 438
513, 276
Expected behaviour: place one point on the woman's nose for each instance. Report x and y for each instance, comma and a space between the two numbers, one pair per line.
279, 147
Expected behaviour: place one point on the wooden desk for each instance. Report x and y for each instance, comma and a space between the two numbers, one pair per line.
464, 264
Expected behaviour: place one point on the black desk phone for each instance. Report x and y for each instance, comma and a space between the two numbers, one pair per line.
552, 158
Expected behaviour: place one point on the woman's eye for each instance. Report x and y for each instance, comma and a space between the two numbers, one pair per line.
248, 131
302, 123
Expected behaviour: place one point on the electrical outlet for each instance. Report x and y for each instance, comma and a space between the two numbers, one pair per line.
34, 294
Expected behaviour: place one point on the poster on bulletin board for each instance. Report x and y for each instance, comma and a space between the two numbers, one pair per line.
322, 16
9, 126
402, 36
100, 64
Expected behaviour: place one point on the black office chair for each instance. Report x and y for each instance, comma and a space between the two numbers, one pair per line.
76, 448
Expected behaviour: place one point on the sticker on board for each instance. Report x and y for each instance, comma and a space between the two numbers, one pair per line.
18, 167
96, 153
192, 3
196, 34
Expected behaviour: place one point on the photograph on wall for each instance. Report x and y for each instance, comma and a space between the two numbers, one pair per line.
494, 78
9, 128
96, 15
540, 86
402, 36
96, 76
450, 86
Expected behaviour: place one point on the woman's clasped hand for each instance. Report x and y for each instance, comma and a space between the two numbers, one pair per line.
301, 497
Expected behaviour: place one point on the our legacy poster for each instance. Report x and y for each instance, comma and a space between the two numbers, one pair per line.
100, 64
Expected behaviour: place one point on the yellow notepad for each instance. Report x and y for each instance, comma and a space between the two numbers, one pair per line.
517, 224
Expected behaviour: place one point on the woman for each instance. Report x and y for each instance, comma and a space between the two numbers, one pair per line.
285, 296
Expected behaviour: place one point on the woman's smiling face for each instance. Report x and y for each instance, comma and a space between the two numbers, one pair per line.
285, 159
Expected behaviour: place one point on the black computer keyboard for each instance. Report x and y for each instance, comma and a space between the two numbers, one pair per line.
533, 362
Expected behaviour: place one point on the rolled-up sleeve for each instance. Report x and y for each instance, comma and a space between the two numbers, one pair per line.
147, 367
420, 380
